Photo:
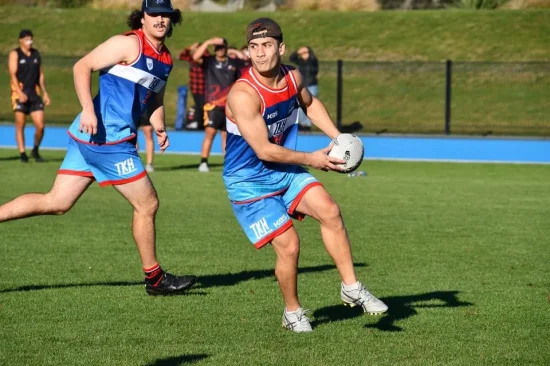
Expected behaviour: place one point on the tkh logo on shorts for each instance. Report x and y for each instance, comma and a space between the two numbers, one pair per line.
260, 228
125, 167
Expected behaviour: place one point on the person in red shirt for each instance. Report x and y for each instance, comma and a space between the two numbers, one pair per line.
196, 81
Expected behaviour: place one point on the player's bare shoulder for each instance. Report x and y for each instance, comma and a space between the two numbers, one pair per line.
242, 95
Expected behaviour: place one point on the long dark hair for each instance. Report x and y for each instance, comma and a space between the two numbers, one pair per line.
134, 20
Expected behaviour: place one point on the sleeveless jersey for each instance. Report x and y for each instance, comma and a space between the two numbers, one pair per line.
246, 177
28, 73
125, 93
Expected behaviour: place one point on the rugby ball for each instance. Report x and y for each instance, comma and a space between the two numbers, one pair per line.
350, 148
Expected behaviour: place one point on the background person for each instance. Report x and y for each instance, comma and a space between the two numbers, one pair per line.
196, 84
308, 65
27, 81
220, 73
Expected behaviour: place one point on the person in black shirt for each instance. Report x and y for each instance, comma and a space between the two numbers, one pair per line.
308, 65
220, 73
27, 82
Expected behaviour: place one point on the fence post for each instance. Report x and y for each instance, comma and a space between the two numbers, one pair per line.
448, 79
339, 91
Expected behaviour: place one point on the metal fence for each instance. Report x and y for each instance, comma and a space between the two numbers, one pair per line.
477, 98
439, 97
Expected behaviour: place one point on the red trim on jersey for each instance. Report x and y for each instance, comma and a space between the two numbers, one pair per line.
287, 225
123, 181
298, 198
245, 80
273, 90
106, 143
271, 97
259, 198
75, 172
134, 33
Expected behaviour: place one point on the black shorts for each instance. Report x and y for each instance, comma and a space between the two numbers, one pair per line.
216, 119
29, 106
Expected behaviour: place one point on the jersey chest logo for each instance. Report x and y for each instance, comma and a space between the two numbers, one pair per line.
149, 63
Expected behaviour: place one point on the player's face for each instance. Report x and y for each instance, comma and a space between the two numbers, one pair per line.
26, 42
265, 54
156, 25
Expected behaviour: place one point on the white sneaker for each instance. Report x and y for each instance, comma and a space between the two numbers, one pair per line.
359, 295
203, 168
297, 321
149, 168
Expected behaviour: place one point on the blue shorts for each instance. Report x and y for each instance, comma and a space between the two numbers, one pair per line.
265, 218
108, 164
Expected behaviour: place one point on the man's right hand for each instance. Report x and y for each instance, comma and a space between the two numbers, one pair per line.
23, 98
88, 122
320, 160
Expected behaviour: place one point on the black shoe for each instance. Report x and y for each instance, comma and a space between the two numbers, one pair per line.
24, 158
37, 156
171, 285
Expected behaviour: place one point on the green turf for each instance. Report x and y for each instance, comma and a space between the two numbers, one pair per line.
392, 97
458, 251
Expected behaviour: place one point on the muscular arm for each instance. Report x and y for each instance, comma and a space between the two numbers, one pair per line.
244, 107
115, 50
315, 109
12, 67
198, 55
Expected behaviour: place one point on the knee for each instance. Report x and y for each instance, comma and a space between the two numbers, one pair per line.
58, 207
150, 206
292, 250
331, 213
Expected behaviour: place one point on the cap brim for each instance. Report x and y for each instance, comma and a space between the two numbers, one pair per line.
158, 10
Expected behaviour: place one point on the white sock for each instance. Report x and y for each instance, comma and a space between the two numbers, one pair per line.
292, 312
354, 286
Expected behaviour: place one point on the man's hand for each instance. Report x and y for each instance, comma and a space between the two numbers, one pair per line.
46, 99
162, 138
88, 122
320, 160
216, 41
23, 97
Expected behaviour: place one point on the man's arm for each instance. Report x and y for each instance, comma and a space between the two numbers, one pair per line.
115, 50
12, 67
199, 52
42, 81
156, 117
244, 106
315, 109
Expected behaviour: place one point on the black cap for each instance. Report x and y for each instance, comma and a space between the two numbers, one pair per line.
25, 33
221, 46
262, 28
157, 6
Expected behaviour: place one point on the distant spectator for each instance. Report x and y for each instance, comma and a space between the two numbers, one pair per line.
308, 65
241, 55
196, 83
220, 74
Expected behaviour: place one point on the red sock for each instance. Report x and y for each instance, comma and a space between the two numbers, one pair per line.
153, 275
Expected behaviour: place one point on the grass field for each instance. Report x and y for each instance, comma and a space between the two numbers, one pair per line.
396, 97
459, 252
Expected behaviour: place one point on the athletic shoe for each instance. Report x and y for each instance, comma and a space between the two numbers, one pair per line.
297, 321
24, 158
171, 285
149, 168
362, 297
37, 156
203, 167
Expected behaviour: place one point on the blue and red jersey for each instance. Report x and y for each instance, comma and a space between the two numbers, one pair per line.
245, 176
125, 93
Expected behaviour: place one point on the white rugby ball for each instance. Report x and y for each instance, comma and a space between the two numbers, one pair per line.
350, 148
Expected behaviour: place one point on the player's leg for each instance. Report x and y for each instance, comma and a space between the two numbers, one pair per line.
209, 134
312, 199
20, 135
65, 192
149, 147
143, 197
37, 117
120, 165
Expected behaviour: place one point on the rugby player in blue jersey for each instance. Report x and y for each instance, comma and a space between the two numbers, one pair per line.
134, 69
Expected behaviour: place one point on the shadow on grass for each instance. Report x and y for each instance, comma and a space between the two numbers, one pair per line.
185, 167
90, 284
399, 308
227, 279
178, 360
231, 279
8, 158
